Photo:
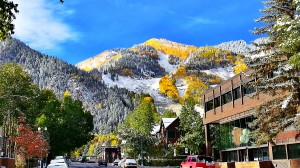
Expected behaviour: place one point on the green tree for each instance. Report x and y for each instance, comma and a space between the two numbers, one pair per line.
17, 95
137, 128
278, 50
191, 125
168, 114
69, 125
7, 15
16, 91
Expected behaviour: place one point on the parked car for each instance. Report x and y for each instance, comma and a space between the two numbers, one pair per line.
57, 165
102, 162
59, 157
196, 161
129, 163
116, 161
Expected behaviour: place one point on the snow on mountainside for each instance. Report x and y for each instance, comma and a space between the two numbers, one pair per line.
142, 67
164, 62
224, 73
150, 86
239, 47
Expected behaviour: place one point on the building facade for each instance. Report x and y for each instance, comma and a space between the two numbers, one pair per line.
229, 111
168, 131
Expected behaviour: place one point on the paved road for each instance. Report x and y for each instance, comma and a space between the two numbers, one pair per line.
87, 165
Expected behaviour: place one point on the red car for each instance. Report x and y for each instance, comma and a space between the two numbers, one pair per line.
198, 161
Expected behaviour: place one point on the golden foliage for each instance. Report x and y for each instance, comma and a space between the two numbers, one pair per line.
167, 86
91, 150
172, 48
149, 99
113, 139
101, 139
126, 72
67, 93
208, 52
215, 80
147, 53
108, 60
239, 67
77, 151
180, 72
195, 88
87, 69
231, 58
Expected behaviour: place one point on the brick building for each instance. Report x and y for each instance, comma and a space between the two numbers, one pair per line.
229, 109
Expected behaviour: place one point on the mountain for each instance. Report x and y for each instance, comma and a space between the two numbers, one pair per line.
110, 83
146, 67
109, 106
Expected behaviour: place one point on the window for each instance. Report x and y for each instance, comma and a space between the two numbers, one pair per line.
260, 154
209, 105
273, 74
294, 151
226, 98
279, 152
171, 134
236, 93
248, 89
217, 102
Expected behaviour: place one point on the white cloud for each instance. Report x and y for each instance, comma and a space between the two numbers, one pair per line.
197, 21
40, 24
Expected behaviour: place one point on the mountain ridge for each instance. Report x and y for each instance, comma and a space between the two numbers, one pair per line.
144, 67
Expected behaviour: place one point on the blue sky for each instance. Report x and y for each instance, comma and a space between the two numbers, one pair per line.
80, 29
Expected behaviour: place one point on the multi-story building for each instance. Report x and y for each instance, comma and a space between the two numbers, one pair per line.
229, 109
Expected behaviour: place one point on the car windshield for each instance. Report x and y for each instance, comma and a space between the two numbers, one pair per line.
206, 158
130, 161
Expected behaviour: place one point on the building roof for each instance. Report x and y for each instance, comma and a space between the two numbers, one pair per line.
168, 121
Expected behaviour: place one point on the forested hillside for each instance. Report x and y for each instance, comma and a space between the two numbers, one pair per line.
109, 106
110, 83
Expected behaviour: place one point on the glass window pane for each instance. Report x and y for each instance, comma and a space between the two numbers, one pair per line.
171, 134
294, 151
279, 152
226, 98
209, 105
236, 93
217, 102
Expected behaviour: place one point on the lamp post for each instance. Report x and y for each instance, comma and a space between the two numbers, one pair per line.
43, 131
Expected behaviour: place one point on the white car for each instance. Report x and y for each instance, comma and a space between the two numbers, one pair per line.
129, 163
57, 165
59, 157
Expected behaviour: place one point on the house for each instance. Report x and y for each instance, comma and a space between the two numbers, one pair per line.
229, 109
168, 131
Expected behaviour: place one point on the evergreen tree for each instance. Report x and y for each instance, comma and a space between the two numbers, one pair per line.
272, 70
191, 124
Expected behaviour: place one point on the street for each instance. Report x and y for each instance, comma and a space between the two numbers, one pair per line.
88, 165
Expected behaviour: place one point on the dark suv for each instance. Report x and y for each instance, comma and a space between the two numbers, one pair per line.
102, 162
